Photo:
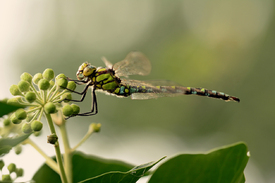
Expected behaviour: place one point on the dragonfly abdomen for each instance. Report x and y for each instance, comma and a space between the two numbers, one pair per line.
210, 93
164, 90
181, 90
122, 91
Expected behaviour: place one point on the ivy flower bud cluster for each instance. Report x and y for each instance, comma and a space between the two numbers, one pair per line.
11, 168
40, 94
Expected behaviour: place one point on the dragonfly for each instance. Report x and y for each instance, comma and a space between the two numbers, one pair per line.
108, 80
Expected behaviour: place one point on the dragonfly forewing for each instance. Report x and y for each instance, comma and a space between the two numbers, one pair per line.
154, 89
135, 63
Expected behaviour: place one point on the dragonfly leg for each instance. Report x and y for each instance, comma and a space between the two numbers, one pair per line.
83, 93
80, 93
93, 111
77, 81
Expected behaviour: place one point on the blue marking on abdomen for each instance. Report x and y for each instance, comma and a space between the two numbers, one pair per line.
133, 90
121, 91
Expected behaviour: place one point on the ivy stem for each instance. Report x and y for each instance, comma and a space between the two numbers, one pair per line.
88, 134
53, 94
59, 95
38, 96
67, 153
49, 161
34, 109
57, 150
45, 96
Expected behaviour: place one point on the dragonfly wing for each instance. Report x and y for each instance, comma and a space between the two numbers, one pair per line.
145, 96
157, 88
149, 83
135, 63
107, 63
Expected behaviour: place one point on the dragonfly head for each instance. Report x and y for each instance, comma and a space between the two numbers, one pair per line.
85, 70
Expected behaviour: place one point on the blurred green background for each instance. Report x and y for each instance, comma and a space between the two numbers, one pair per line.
222, 45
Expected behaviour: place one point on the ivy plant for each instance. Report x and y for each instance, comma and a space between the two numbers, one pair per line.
44, 96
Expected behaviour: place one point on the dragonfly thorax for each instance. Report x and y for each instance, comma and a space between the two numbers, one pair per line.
85, 70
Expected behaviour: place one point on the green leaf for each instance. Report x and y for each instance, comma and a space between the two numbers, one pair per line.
224, 165
123, 177
7, 143
7, 108
84, 167
5, 149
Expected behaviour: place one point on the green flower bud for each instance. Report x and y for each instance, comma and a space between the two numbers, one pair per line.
60, 76
67, 96
95, 126
62, 82
67, 110
71, 85
14, 119
6, 177
36, 125
17, 149
14, 89
21, 114
19, 172
14, 101
50, 108
24, 86
36, 78
26, 128
12, 167
26, 77
30, 96
43, 84
52, 138
48, 74
51, 83
76, 108
37, 133
2, 164
7, 122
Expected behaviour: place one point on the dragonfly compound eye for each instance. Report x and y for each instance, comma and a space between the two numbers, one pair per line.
79, 75
87, 71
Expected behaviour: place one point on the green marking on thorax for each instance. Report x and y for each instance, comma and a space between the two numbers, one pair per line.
110, 86
104, 77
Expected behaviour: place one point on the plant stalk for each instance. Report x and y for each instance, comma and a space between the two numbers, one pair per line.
49, 161
88, 134
57, 150
67, 153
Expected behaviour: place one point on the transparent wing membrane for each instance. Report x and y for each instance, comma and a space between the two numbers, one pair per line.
150, 83
107, 63
145, 96
165, 88
155, 88
135, 63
